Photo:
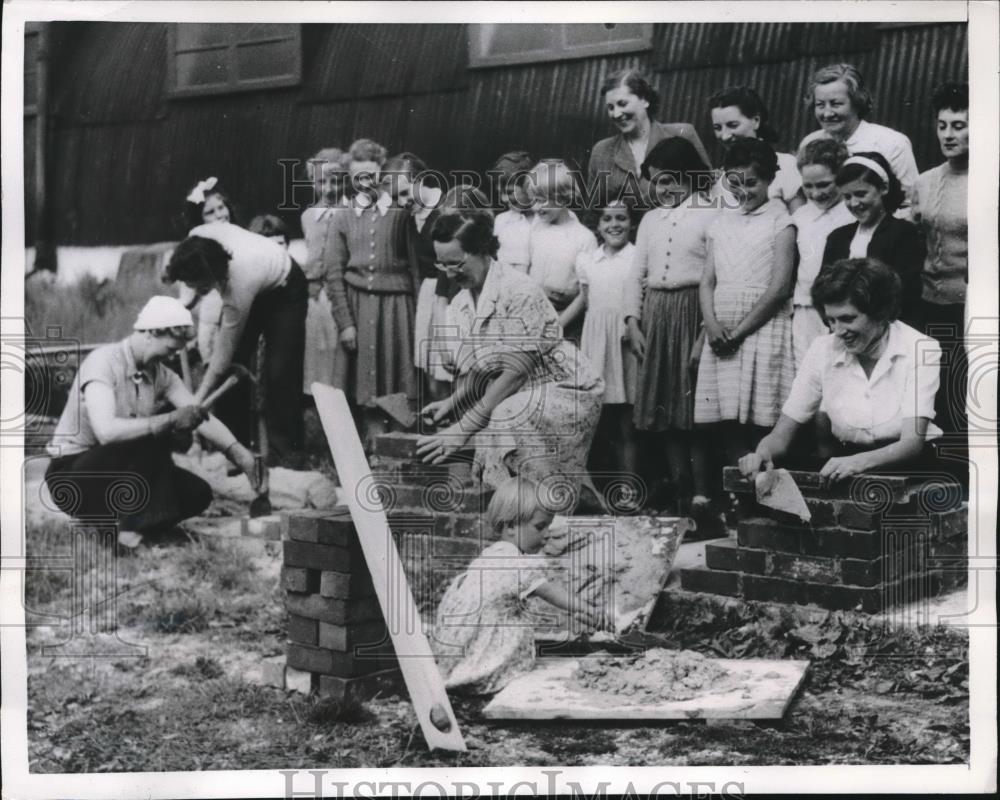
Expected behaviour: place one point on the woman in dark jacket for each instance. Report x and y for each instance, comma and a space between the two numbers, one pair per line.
614, 167
872, 193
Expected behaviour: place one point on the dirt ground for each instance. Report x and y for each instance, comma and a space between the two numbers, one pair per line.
197, 618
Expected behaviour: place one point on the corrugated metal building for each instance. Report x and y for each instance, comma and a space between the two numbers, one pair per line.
128, 136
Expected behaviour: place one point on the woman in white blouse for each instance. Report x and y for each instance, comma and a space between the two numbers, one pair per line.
871, 381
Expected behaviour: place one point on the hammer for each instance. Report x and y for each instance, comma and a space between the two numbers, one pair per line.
237, 372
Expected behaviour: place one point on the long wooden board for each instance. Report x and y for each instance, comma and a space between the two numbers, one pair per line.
765, 690
423, 680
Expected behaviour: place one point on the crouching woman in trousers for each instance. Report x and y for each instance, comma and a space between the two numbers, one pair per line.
111, 458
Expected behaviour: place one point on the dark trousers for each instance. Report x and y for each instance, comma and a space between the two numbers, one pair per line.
135, 483
280, 315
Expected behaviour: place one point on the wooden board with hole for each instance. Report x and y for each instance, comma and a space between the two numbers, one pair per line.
764, 689
413, 651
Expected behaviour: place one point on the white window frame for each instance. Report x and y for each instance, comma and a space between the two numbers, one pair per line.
478, 58
233, 83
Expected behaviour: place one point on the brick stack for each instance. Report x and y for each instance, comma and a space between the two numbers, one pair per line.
338, 642
437, 513
873, 542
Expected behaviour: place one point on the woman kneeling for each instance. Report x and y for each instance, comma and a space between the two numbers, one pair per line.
869, 384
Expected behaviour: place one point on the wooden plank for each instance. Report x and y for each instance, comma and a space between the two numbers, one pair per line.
423, 680
759, 689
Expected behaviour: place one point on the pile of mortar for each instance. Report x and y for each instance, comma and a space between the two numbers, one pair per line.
656, 675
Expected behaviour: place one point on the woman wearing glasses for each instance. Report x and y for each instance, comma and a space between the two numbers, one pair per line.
525, 398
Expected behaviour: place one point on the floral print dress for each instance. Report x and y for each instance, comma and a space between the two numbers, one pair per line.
544, 430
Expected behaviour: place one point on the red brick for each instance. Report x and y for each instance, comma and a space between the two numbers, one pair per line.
346, 637
338, 612
419, 474
804, 568
697, 579
401, 446
388, 681
473, 526
836, 542
841, 598
773, 590
856, 516
328, 526
303, 630
446, 497
727, 556
328, 662
322, 556
892, 487
950, 524
344, 585
766, 534
824, 512
299, 579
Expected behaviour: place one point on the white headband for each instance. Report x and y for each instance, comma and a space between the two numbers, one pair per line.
868, 163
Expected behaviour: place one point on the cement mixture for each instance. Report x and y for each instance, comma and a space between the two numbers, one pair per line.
656, 675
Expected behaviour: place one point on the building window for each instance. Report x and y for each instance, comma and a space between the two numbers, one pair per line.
517, 43
215, 58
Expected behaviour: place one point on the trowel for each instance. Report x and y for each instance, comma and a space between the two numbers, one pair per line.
776, 489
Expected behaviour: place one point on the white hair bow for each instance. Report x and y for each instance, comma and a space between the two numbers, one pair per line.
198, 192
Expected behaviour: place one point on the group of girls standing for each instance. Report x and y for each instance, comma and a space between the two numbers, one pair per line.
692, 299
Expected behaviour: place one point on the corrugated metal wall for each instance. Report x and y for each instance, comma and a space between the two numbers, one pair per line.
125, 154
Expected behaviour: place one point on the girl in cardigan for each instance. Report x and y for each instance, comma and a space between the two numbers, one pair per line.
370, 281
670, 256
872, 193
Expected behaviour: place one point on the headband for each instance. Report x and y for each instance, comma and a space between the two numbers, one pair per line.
198, 192
871, 164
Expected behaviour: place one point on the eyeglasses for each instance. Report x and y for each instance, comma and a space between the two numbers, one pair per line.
450, 267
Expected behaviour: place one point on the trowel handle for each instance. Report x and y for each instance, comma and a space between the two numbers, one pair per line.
260, 473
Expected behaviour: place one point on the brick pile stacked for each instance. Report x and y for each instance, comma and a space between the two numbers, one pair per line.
338, 642
873, 542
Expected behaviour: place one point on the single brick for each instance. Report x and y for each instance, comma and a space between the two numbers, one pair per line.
696, 579
861, 572
950, 524
382, 654
268, 528
328, 662
338, 612
343, 585
824, 512
402, 446
857, 516
297, 680
272, 670
875, 488
838, 542
388, 681
841, 598
319, 526
299, 579
408, 523
303, 630
445, 497
767, 534
346, 637
804, 568
727, 556
473, 526
773, 590
322, 556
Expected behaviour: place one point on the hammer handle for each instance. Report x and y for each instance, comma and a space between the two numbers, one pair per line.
226, 385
